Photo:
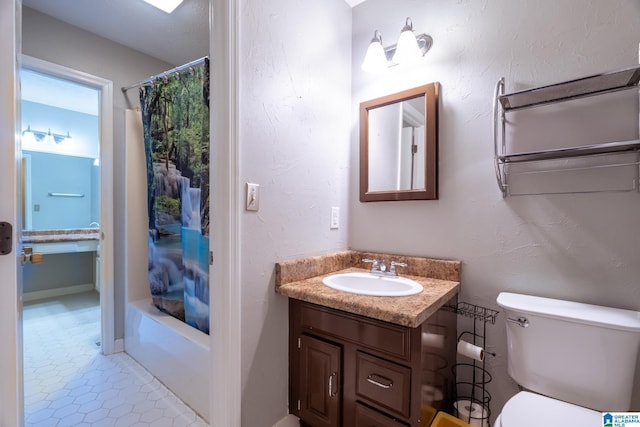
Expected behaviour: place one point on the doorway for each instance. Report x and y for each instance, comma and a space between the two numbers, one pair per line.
66, 180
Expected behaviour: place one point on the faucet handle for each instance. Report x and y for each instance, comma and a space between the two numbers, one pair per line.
395, 264
375, 262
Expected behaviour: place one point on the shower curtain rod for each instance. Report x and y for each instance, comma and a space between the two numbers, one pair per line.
166, 73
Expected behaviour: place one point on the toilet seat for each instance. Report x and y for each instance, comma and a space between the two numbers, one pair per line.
527, 409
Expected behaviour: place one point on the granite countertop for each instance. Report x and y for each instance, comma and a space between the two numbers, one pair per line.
408, 311
63, 235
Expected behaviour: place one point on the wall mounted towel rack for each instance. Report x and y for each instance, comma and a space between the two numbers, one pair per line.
599, 84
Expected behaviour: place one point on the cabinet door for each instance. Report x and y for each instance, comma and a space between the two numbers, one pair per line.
320, 379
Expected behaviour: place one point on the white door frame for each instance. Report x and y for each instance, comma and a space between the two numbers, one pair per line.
226, 361
225, 295
11, 390
105, 89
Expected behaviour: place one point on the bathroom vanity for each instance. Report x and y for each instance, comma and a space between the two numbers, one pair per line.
62, 241
358, 360
85, 242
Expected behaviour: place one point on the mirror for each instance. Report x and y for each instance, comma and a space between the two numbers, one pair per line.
60, 152
60, 192
399, 146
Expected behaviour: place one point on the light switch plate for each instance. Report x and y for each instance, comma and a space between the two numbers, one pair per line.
253, 196
335, 218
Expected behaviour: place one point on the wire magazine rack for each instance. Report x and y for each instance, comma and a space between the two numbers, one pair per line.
472, 399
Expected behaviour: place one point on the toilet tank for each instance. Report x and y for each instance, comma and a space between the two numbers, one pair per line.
579, 353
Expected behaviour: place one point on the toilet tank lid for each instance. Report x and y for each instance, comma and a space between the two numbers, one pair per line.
608, 317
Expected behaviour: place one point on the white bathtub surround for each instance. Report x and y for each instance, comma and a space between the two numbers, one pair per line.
174, 352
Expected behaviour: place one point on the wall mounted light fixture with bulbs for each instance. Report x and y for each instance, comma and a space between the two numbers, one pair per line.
31, 136
409, 48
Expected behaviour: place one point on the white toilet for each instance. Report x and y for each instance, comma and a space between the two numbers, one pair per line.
577, 361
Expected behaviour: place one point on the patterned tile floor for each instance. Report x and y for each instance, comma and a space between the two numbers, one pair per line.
68, 382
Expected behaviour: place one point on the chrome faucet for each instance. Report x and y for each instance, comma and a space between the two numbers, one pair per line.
392, 270
380, 269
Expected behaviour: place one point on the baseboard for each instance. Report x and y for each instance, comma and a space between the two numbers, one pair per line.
288, 421
118, 346
57, 292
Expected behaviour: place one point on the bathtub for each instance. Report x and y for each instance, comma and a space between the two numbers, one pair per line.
172, 351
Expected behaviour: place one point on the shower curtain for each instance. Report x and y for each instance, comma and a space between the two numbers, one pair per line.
175, 116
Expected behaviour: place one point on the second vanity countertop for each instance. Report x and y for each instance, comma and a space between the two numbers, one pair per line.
62, 235
302, 280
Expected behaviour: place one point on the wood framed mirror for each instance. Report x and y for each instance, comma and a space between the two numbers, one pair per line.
399, 146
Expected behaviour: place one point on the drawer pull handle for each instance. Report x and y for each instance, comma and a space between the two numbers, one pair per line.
380, 381
331, 379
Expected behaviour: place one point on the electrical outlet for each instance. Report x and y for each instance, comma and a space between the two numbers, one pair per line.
335, 218
253, 196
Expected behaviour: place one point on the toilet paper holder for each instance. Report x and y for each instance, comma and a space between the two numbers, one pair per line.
471, 379
476, 341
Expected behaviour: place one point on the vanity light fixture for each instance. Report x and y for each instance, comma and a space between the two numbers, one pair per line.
167, 6
33, 136
409, 49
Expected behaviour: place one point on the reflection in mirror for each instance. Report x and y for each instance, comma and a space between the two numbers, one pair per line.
398, 146
61, 182
60, 191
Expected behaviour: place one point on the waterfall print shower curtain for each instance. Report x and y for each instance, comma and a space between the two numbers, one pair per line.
175, 116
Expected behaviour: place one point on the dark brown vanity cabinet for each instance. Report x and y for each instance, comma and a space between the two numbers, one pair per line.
349, 370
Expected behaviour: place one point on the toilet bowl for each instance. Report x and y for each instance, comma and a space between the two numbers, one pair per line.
527, 409
557, 351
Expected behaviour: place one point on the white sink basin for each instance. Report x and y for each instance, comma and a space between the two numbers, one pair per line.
369, 284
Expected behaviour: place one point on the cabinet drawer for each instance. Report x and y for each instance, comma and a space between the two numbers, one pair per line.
383, 383
367, 417
391, 339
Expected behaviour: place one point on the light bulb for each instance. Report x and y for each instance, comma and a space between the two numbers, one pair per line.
407, 50
375, 58
49, 139
28, 137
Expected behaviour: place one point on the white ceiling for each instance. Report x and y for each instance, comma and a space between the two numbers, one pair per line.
47, 90
176, 38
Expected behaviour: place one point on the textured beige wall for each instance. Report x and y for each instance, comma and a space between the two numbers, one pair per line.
581, 247
294, 141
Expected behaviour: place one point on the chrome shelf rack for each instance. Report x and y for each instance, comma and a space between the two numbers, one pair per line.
599, 84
